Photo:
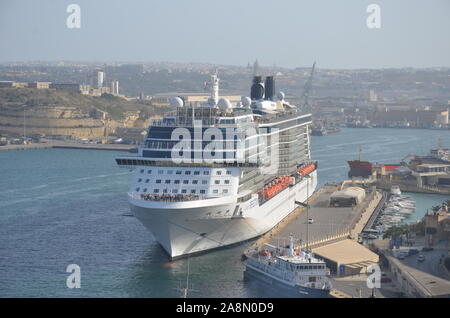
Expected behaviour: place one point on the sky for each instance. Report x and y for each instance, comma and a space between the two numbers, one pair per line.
286, 33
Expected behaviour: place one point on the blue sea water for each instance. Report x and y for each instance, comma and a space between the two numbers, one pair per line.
61, 207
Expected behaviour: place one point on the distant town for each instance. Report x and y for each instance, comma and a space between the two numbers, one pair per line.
108, 102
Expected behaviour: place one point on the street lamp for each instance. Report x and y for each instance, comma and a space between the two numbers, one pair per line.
307, 210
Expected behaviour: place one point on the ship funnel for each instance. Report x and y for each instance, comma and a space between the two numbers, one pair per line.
269, 88
257, 90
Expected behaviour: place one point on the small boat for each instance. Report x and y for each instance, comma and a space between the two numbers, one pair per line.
318, 131
395, 190
288, 272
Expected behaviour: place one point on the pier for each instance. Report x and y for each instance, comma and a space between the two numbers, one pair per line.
332, 234
329, 223
376, 213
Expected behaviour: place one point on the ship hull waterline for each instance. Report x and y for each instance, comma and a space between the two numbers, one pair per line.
275, 288
188, 231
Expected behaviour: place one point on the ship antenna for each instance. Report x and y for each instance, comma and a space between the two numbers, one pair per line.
185, 290
187, 280
360, 151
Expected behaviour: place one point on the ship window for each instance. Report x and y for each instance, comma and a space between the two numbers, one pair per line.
187, 172
178, 172
312, 279
142, 170
204, 181
145, 190
194, 181
175, 191
176, 181
192, 191
169, 171
228, 172
217, 181
149, 171
227, 181
183, 191
158, 181
147, 180
165, 190
215, 191
219, 172
225, 191
156, 190
139, 180
196, 173
160, 171
206, 172
137, 189
167, 181
185, 181
202, 191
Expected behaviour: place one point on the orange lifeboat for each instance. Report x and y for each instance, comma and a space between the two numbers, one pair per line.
307, 169
276, 186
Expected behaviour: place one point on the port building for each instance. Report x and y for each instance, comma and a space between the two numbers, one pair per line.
346, 257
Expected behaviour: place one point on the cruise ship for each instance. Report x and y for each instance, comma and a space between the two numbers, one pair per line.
215, 174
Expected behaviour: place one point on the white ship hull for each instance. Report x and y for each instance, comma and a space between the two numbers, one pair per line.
184, 228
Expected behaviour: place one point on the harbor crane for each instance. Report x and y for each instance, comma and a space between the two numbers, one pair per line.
308, 86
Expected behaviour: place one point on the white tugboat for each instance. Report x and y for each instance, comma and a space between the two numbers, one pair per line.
289, 272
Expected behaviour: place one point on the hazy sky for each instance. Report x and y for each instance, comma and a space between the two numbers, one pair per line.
287, 33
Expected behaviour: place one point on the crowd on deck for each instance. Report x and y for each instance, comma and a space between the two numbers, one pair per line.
169, 197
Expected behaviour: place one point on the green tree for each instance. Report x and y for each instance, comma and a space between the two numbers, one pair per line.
436, 208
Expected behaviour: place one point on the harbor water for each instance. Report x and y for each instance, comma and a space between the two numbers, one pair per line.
63, 206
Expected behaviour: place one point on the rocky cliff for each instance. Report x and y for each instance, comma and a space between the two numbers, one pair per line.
50, 112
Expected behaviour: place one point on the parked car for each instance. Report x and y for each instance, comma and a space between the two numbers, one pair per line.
421, 258
310, 221
399, 294
386, 280
413, 251
427, 249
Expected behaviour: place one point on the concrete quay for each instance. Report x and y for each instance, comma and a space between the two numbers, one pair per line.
329, 223
333, 236
71, 145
